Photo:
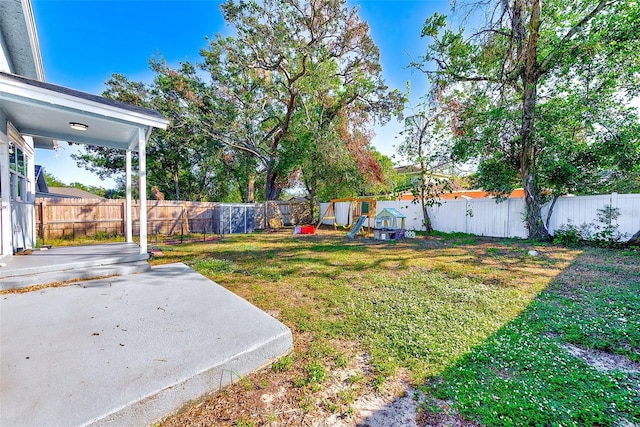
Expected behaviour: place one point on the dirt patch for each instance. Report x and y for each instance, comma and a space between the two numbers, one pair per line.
375, 410
268, 398
443, 416
603, 361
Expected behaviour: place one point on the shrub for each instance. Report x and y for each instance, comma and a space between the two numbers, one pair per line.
568, 235
604, 233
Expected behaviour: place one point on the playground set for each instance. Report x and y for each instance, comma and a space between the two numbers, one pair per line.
388, 224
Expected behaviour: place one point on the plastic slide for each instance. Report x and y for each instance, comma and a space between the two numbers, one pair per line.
357, 227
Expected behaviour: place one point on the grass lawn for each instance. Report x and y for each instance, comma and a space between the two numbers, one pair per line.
483, 332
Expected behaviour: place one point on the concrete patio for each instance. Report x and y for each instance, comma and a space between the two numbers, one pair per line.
64, 263
126, 350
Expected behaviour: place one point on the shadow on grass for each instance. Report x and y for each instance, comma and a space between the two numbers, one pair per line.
525, 375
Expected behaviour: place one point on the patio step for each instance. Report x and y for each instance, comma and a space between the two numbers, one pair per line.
71, 272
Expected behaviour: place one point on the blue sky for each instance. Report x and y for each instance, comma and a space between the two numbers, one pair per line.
83, 42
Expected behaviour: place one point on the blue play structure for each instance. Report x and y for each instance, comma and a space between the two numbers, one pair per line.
358, 225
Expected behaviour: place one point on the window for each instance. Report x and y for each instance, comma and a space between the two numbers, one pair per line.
19, 154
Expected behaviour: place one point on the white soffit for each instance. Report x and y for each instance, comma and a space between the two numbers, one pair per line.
44, 111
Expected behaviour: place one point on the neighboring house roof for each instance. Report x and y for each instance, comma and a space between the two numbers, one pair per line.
20, 49
69, 193
41, 182
407, 170
518, 193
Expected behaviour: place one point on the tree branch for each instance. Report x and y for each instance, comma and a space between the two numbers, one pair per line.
546, 62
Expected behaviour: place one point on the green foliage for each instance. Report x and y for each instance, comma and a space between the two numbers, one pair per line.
53, 181
603, 233
568, 235
98, 191
181, 161
283, 364
287, 100
105, 235
607, 234
424, 145
543, 101
315, 374
244, 423
296, 96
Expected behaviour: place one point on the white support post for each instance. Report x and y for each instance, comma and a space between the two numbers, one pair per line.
142, 174
129, 205
6, 247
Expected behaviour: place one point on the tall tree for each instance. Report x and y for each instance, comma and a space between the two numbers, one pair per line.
182, 161
286, 59
509, 77
425, 144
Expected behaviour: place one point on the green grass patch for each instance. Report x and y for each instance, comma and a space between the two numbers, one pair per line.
425, 321
283, 364
211, 266
523, 376
520, 377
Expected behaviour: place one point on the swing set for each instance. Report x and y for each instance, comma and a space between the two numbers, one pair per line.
359, 206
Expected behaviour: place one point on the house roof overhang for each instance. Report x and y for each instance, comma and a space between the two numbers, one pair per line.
21, 49
45, 111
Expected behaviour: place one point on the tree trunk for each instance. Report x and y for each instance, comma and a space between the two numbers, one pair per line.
312, 205
271, 189
535, 224
251, 189
176, 185
427, 220
423, 201
530, 78
553, 203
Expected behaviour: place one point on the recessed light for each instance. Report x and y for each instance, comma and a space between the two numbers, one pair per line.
78, 126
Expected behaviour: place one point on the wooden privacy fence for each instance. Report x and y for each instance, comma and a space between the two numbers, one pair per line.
71, 218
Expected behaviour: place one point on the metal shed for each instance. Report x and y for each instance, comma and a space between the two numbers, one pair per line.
231, 218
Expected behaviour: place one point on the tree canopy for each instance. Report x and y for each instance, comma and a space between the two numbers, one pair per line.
286, 99
297, 78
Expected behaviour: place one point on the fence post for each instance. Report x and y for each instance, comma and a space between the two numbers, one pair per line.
42, 220
267, 225
613, 201
466, 215
124, 216
508, 218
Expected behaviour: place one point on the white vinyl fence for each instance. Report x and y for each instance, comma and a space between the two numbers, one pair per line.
485, 217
